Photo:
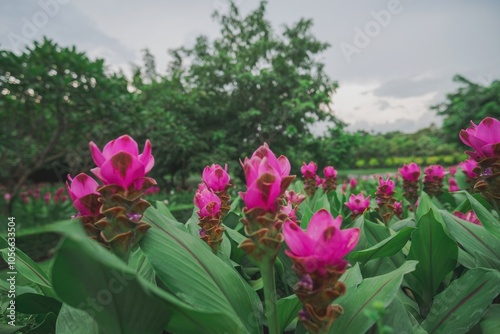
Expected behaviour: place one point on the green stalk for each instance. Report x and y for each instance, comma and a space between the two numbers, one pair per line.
271, 311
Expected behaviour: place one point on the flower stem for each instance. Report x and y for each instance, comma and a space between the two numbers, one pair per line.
267, 272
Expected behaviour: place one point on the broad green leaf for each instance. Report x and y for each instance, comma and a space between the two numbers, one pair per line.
384, 248
424, 205
8, 329
141, 265
490, 223
490, 324
47, 325
436, 254
88, 277
396, 317
32, 303
200, 278
352, 277
401, 224
25, 266
163, 208
288, 308
74, 321
460, 306
375, 290
473, 238
321, 203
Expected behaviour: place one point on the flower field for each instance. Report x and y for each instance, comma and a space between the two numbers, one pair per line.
415, 252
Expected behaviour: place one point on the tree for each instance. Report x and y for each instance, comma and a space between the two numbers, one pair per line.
53, 100
471, 102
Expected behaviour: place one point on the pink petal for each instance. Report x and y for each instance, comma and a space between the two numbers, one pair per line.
122, 169
146, 157
297, 240
82, 185
284, 165
320, 221
97, 172
124, 143
96, 154
489, 130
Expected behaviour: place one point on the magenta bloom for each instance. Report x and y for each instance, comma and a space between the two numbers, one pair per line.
353, 183
469, 216
324, 244
289, 211
398, 208
267, 178
309, 170
329, 171
453, 185
215, 177
410, 172
434, 173
294, 198
47, 197
483, 138
120, 162
207, 202
7, 197
385, 188
468, 167
83, 193
358, 203
319, 181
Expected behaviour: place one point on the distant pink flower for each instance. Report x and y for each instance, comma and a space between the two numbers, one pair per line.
329, 171
358, 203
207, 202
323, 245
484, 139
120, 162
385, 188
353, 183
434, 173
294, 198
83, 193
309, 170
452, 170
469, 216
344, 187
215, 177
453, 185
468, 167
47, 197
319, 181
410, 172
398, 209
267, 178
289, 211
7, 197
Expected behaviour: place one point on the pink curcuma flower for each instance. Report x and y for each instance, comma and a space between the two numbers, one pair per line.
453, 185
385, 188
484, 139
398, 209
215, 177
289, 211
468, 167
434, 173
410, 172
469, 216
358, 203
207, 202
329, 171
83, 193
309, 170
319, 181
120, 162
323, 245
353, 183
294, 198
267, 178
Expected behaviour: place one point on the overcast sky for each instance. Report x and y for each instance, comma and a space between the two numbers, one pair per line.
393, 59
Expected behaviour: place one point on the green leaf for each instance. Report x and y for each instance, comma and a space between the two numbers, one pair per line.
140, 264
47, 325
8, 329
437, 255
490, 324
473, 238
352, 277
88, 277
396, 317
288, 308
200, 278
31, 303
490, 223
424, 205
459, 307
74, 321
385, 248
375, 290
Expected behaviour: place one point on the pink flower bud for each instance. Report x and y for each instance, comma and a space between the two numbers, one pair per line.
468, 167
385, 188
453, 185
215, 177
353, 183
410, 172
324, 244
120, 162
47, 197
294, 198
207, 202
329, 171
83, 193
289, 211
358, 203
434, 173
398, 209
309, 170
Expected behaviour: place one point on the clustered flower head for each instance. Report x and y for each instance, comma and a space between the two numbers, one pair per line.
385, 198
433, 180
330, 180
207, 202
358, 204
484, 139
82, 190
309, 170
312, 181
216, 178
468, 166
411, 172
318, 256
469, 216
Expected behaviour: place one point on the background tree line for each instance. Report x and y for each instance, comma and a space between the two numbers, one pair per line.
217, 102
